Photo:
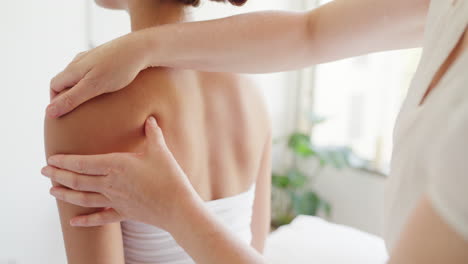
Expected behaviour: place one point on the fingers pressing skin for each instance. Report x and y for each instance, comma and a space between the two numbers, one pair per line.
104, 164
96, 72
68, 77
71, 76
103, 181
64, 80
85, 199
73, 180
84, 90
86, 164
154, 134
79, 55
106, 216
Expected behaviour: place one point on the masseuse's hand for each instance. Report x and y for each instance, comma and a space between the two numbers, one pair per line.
145, 187
104, 69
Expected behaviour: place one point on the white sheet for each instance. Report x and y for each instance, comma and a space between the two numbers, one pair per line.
312, 240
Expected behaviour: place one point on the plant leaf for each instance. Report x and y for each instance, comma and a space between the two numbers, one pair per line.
280, 181
307, 203
337, 157
301, 145
296, 178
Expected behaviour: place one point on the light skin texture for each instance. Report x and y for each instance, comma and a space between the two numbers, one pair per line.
196, 111
381, 25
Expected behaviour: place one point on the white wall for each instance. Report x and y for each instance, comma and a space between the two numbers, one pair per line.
357, 198
37, 40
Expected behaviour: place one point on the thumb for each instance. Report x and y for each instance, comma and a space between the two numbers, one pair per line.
154, 134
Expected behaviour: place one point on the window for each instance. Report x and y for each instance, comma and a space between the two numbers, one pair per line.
360, 98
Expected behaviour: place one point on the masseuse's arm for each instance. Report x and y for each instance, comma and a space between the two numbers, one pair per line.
278, 41
429, 239
249, 43
207, 240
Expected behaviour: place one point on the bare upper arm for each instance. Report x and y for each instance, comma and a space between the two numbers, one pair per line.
99, 245
427, 239
109, 123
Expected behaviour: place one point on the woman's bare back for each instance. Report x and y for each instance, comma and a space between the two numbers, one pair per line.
215, 124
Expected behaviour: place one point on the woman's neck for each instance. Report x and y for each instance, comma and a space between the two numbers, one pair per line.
149, 13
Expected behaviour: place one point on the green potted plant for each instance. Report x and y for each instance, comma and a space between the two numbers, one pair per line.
293, 192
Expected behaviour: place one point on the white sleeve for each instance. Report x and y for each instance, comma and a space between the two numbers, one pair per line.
448, 168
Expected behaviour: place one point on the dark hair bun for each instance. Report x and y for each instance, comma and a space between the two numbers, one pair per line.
197, 2
238, 2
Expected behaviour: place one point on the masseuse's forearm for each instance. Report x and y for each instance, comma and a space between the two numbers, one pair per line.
206, 240
277, 41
